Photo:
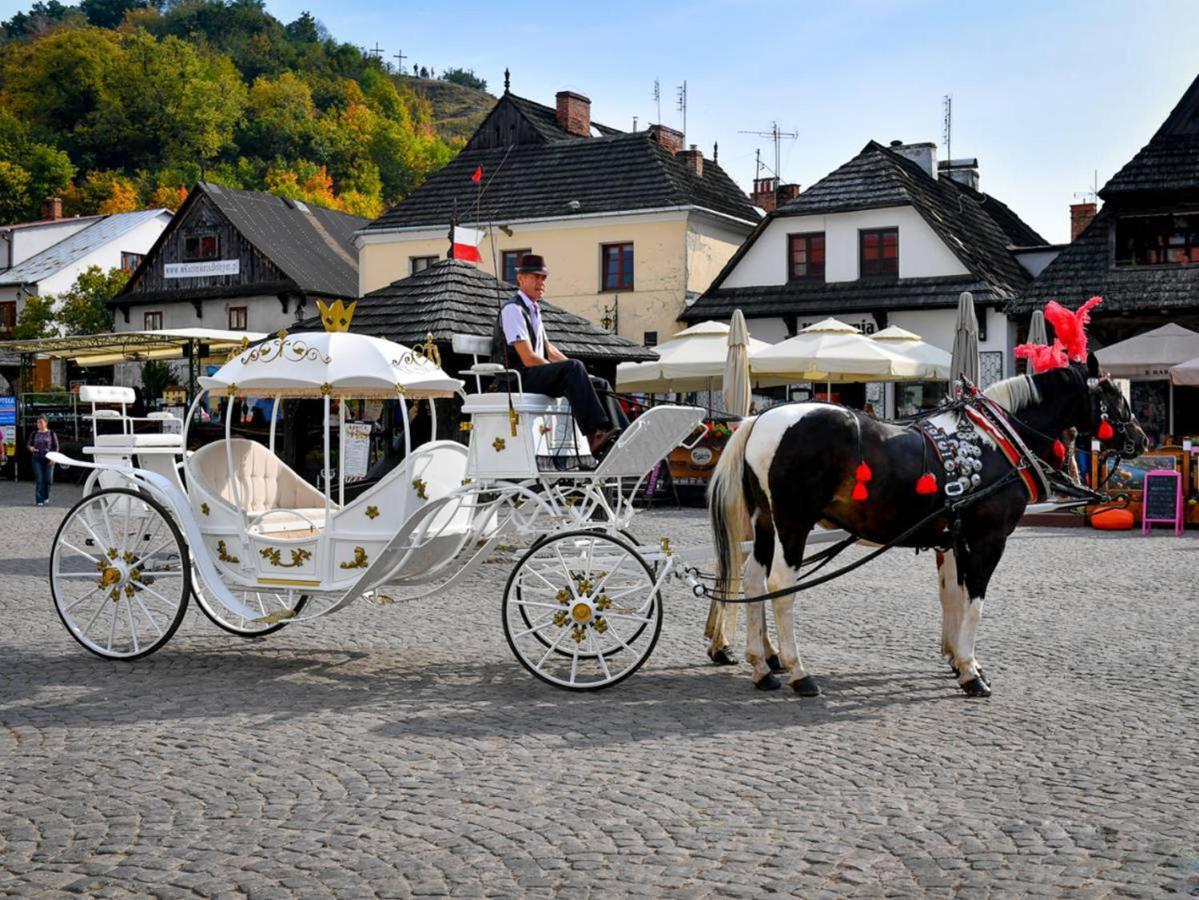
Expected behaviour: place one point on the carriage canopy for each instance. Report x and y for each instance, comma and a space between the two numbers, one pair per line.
333, 364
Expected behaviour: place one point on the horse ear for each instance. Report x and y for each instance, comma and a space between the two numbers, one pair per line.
1092, 366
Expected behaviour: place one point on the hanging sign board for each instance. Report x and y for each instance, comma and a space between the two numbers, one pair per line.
358, 445
202, 269
8, 423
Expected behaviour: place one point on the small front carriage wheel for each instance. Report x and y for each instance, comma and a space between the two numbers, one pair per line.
582, 610
120, 573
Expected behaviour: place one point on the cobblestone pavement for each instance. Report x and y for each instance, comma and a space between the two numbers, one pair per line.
400, 751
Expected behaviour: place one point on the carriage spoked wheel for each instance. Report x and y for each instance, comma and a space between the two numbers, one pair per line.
527, 613
120, 573
270, 603
581, 611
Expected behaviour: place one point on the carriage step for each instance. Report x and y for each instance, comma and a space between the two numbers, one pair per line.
276, 615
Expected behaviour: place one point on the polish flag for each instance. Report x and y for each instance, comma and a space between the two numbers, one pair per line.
466, 244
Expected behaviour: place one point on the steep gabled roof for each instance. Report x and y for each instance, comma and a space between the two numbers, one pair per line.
977, 229
615, 173
1170, 161
544, 120
310, 244
455, 297
1082, 270
75, 247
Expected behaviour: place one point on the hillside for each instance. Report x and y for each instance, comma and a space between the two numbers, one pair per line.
124, 105
457, 110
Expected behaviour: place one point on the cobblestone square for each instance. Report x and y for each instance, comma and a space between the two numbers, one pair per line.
401, 751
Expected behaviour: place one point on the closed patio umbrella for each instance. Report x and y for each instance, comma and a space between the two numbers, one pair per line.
1037, 333
736, 370
965, 341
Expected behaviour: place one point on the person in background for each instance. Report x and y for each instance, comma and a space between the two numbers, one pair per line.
42, 441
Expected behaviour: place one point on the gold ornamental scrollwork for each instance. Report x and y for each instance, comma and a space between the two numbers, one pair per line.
286, 350
420, 354
420, 487
326, 389
274, 556
204, 508
372, 512
499, 444
358, 562
223, 554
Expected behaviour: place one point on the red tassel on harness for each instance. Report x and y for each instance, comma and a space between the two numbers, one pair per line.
1059, 450
926, 484
863, 473
859, 491
1105, 432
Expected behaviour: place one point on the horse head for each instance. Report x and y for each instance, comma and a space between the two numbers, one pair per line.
1112, 421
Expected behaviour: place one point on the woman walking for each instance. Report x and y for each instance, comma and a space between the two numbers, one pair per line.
43, 441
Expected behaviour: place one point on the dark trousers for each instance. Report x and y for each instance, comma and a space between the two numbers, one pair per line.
43, 477
569, 379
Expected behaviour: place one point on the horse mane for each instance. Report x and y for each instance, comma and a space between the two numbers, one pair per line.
1014, 393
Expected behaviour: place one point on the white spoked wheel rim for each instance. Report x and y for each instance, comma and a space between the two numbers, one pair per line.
581, 610
271, 604
120, 574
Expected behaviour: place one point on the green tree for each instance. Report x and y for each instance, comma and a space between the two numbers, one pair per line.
280, 118
84, 308
157, 376
464, 77
36, 319
14, 192
109, 13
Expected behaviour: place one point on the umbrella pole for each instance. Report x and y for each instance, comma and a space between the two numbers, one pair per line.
1171, 408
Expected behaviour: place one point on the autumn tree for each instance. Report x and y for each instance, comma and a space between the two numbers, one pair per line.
84, 308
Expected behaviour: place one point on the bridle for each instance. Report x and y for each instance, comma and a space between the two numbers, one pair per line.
1127, 428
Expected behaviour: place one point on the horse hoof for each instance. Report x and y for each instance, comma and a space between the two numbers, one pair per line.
806, 687
768, 683
775, 665
983, 676
976, 687
722, 657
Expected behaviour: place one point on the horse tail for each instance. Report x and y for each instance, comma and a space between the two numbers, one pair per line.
729, 511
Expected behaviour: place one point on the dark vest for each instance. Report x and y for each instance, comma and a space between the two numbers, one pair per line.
501, 350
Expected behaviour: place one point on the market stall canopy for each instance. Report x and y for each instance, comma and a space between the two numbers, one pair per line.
833, 351
909, 344
131, 346
693, 360
1186, 374
336, 364
1149, 356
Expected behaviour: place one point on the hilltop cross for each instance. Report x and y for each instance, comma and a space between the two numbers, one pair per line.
400, 57
377, 51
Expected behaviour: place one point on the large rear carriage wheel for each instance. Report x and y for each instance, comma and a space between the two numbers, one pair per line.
581, 610
120, 574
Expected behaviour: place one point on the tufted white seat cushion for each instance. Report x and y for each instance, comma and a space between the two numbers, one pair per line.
263, 481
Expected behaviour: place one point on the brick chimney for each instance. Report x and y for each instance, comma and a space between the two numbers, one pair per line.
694, 160
574, 113
52, 208
669, 139
1081, 215
786, 193
924, 155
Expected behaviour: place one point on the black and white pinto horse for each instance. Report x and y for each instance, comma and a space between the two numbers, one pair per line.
793, 467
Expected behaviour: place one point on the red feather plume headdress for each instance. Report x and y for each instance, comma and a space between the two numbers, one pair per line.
1070, 337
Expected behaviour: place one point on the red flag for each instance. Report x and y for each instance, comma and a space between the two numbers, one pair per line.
478, 176
466, 244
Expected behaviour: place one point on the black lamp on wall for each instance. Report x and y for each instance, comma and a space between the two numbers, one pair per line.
610, 317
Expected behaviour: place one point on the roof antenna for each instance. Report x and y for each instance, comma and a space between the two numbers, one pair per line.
715, 151
1091, 196
682, 107
947, 104
658, 98
777, 137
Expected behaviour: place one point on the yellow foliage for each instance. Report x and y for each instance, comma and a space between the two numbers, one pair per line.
122, 197
168, 197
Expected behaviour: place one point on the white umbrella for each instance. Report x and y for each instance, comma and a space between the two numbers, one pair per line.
336, 364
736, 368
1186, 373
1149, 356
900, 340
832, 351
965, 341
692, 360
1037, 334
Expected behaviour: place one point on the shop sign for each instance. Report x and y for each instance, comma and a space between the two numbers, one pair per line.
203, 269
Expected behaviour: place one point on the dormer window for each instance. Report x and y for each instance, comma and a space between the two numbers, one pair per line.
878, 253
200, 247
805, 257
1157, 240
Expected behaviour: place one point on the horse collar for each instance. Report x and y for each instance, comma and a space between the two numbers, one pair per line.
991, 419
960, 456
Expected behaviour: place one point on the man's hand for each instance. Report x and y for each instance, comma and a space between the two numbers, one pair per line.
554, 354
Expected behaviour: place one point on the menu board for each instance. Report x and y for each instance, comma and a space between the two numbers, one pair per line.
1161, 497
357, 450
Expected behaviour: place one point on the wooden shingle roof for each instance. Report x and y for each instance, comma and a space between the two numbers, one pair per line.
977, 230
456, 297
1169, 163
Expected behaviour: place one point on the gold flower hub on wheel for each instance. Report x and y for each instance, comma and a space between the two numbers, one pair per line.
110, 576
581, 612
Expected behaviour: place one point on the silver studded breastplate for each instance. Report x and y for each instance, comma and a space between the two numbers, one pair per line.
961, 455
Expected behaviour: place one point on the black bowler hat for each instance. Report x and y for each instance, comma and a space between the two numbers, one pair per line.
532, 264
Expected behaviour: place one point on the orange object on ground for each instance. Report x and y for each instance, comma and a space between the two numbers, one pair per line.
1113, 520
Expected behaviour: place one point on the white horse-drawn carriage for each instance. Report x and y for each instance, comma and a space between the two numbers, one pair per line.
261, 548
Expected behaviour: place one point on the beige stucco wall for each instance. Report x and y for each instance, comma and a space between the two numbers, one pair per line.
673, 252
